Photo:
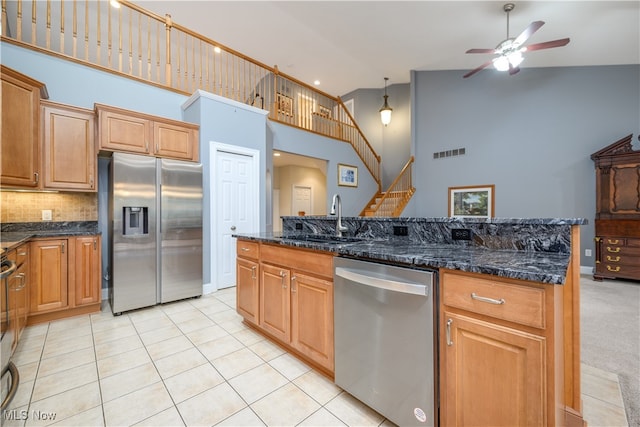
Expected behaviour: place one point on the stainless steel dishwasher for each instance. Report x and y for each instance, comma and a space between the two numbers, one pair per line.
385, 339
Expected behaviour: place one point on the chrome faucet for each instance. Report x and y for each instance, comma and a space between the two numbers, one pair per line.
337, 205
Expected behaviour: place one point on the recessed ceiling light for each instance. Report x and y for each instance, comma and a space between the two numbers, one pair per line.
316, 82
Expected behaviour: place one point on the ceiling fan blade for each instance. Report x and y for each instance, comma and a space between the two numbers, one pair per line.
472, 72
547, 45
481, 51
528, 32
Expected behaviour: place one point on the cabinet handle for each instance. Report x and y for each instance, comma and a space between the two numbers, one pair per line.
245, 249
22, 254
283, 275
489, 300
91, 181
95, 244
613, 250
615, 270
449, 322
23, 281
253, 272
610, 258
36, 175
63, 247
293, 279
613, 242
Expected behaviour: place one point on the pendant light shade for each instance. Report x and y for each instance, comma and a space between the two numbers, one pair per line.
385, 111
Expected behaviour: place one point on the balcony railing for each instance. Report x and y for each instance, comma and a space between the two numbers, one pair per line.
141, 45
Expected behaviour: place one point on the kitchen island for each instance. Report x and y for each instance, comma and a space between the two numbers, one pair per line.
513, 363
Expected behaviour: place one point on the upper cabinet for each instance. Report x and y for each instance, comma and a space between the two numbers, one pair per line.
133, 132
617, 181
20, 129
68, 145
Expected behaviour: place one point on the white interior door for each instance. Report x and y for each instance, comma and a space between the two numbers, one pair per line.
301, 200
234, 208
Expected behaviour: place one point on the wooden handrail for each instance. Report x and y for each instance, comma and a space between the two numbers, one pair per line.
153, 49
397, 195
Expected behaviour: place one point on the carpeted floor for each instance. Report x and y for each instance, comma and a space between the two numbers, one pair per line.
610, 334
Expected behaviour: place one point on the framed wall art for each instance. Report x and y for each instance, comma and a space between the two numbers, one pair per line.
347, 175
472, 202
285, 104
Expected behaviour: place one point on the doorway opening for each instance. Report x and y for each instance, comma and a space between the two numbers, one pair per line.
299, 185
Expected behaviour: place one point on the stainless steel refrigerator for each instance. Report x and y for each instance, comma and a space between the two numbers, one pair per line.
156, 239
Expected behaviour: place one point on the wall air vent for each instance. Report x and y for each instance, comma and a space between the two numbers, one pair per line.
449, 153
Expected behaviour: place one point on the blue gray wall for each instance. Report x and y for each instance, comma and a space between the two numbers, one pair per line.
393, 142
531, 135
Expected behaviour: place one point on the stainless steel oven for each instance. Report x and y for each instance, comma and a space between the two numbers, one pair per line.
385, 340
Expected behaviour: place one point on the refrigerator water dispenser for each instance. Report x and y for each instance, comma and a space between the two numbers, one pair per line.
135, 220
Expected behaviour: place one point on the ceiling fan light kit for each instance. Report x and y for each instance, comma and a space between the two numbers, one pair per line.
510, 50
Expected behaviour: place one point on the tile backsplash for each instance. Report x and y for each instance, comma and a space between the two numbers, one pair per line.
28, 207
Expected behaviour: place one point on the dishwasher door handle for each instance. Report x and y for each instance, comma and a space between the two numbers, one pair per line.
382, 283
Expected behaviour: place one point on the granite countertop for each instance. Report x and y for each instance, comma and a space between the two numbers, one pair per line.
543, 267
14, 234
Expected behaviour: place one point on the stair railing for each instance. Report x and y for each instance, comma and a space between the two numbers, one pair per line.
133, 42
394, 200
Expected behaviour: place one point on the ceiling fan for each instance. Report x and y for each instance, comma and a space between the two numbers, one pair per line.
510, 50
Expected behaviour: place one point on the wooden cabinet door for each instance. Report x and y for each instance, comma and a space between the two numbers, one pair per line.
275, 301
20, 298
175, 141
69, 154
123, 132
19, 150
87, 270
49, 275
312, 318
490, 374
247, 291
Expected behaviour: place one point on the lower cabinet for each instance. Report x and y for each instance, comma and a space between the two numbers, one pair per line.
19, 292
247, 289
288, 294
65, 277
498, 349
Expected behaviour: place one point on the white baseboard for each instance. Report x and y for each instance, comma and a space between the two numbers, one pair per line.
584, 269
208, 288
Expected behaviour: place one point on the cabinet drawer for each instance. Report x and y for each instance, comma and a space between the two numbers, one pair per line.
502, 300
22, 254
248, 249
309, 261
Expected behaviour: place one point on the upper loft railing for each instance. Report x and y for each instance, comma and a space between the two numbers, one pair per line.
141, 45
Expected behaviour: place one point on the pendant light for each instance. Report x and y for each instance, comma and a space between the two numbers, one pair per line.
385, 111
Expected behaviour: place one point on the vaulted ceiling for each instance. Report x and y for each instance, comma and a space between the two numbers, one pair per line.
348, 45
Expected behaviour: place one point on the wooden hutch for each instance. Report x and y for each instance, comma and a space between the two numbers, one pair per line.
617, 211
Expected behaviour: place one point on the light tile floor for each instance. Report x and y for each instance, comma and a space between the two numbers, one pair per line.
194, 363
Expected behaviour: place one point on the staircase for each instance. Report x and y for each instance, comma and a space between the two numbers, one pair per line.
392, 202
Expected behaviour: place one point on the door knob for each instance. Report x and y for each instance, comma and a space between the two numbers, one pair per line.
233, 228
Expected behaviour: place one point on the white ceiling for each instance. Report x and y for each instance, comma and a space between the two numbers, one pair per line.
354, 44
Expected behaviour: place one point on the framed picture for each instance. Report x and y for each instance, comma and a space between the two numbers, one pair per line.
472, 202
347, 175
324, 112
285, 104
